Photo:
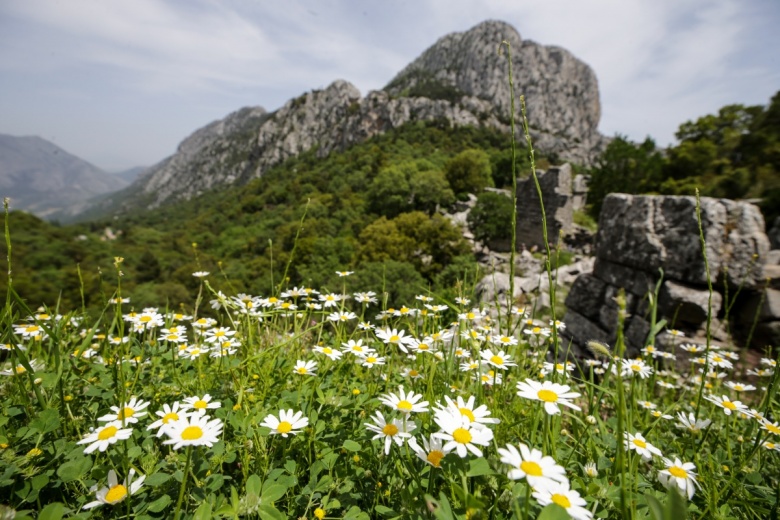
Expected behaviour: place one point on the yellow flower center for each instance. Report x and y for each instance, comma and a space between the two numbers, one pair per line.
497, 360
729, 405
327, 350
125, 413
461, 436
370, 359
192, 433
31, 328
422, 346
548, 396
561, 500
145, 319
678, 472
536, 330
195, 352
434, 457
772, 428
738, 387
414, 373
717, 359
394, 338
272, 299
405, 406
302, 370
168, 417
219, 333
116, 493
200, 404
284, 427
467, 413
107, 432
531, 468
636, 368
640, 443
390, 429
20, 369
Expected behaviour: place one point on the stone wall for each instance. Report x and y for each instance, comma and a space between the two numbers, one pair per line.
556, 185
639, 236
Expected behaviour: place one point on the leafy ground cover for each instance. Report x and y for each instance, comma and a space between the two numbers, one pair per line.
332, 405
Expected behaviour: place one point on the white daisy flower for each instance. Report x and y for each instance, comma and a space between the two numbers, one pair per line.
569, 499
397, 431
115, 492
541, 471
129, 413
727, 404
432, 452
100, 438
639, 444
169, 414
199, 404
690, 423
681, 474
500, 360
461, 434
478, 416
405, 402
287, 423
332, 354
305, 368
551, 394
195, 430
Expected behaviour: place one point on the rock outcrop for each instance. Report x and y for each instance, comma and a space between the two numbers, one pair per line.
459, 81
641, 235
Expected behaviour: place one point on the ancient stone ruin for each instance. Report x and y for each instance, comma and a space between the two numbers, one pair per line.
556, 186
639, 236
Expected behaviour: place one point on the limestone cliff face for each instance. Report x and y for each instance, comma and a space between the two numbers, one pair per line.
461, 79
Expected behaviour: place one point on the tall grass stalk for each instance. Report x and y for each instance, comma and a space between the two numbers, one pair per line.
513, 247
708, 334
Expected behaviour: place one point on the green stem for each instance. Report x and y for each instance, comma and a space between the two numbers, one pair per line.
183, 483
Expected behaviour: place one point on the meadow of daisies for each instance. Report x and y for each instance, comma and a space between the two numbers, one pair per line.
329, 404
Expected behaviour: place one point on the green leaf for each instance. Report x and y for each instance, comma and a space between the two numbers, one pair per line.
53, 511
351, 445
676, 506
553, 512
160, 504
47, 421
655, 507
479, 467
39, 481
290, 466
269, 511
253, 485
383, 510
74, 469
203, 512
272, 493
157, 479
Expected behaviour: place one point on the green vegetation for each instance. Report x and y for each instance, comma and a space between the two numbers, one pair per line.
733, 154
372, 203
491, 217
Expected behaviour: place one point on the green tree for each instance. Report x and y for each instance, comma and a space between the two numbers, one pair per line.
389, 193
491, 217
469, 172
625, 167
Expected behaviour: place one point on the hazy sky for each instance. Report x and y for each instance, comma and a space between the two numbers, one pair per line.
121, 82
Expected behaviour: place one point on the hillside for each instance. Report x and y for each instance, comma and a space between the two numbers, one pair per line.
460, 81
44, 179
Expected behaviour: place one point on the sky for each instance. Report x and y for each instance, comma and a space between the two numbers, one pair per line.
120, 83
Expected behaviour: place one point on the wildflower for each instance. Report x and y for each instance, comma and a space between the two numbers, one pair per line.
342, 274
287, 423
469, 366
472, 334
739, 387
477, 416
319, 513
551, 394
693, 348
679, 473
405, 402
330, 300
675, 332
195, 430
690, 423
761, 372
194, 352
489, 378
198, 404
569, 499
20, 369
647, 405
771, 427
500, 360
356, 347
591, 470
394, 337
540, 471
332, 354
395, 431
118, 300
115, 492
34, 452
537, 331
371, 359
169, 414
560, 368
462, 301
461, 434
636, 367
102, 437
664, 384
769, 362
717, 359
658, 413
638, 443
411, 373
128, 413
432, 452
342, 316
305, 368
727, 404
200, 274
365, 297
219, 334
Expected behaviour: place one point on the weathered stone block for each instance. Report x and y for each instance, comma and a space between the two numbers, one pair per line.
769, 310
635, 332
581, 329
634, 281
557, 195
688, 304
586, 295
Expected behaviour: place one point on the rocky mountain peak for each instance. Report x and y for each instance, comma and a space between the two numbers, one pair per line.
561, 92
